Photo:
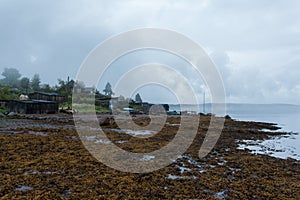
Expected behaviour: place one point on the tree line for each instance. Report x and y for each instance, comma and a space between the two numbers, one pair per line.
14, 84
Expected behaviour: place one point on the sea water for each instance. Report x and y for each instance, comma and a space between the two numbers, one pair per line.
285, 116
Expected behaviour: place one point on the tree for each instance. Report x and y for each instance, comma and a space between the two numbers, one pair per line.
25, 84
11, 77
62, 87
6, 93
138, 98
71, 84
35, 82
47, 88
79, 84
108, 91
65, 88
121, 98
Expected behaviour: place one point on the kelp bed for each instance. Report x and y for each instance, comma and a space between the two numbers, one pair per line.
42, 157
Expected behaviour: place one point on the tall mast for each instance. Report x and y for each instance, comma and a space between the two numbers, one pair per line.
204, 102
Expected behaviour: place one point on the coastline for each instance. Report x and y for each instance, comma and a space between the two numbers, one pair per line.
42, 157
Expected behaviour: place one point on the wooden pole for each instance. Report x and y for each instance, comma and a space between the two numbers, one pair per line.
204, 102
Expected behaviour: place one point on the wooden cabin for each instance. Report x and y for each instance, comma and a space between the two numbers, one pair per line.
33, 106
105, 102
4, 103
47, 96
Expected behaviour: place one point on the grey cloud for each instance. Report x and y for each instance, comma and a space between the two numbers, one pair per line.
255, 44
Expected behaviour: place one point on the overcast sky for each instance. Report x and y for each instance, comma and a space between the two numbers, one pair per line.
255, 44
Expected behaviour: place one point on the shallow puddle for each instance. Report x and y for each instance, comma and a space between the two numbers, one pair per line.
23, 188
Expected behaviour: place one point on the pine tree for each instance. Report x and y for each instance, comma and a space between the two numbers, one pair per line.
108, 90
138, 98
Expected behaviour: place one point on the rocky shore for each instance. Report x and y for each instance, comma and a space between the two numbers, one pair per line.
42, 157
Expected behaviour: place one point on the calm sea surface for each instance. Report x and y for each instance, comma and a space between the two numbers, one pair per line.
286, 116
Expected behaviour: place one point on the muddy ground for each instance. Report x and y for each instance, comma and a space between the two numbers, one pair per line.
42, 157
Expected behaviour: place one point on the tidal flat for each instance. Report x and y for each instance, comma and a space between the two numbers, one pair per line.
43, 157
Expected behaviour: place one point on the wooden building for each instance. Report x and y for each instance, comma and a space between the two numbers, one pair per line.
105, 101
4, 103
47, 96
33, 106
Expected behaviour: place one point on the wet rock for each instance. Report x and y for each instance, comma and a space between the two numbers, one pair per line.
227, 117
11, 114
106, 121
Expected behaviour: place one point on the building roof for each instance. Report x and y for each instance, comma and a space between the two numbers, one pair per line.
47, 93
107, 98
33, 101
